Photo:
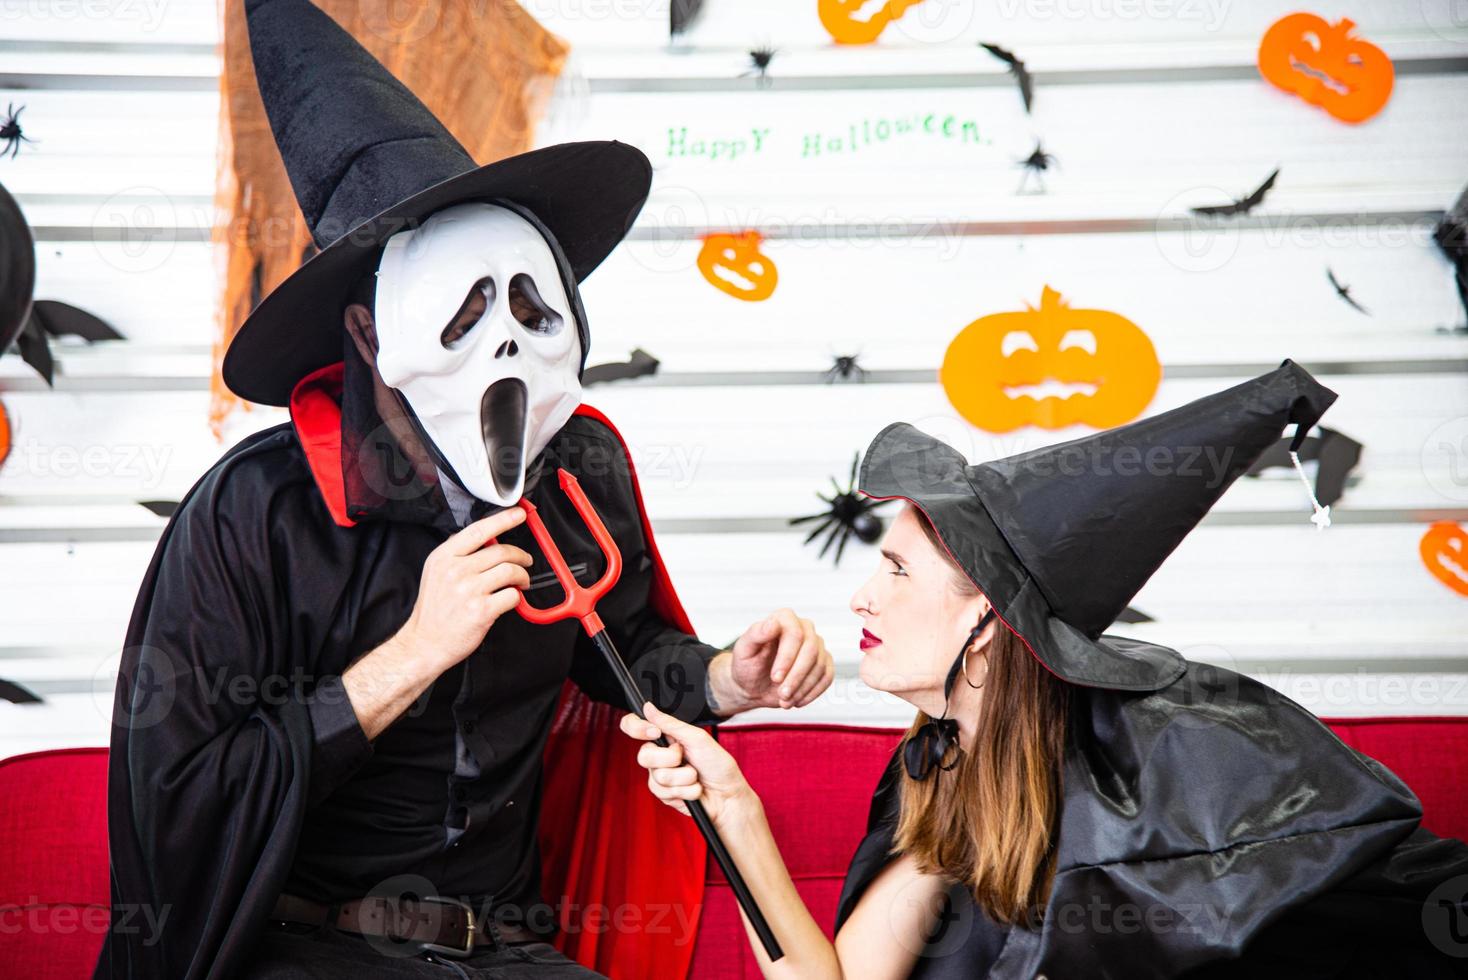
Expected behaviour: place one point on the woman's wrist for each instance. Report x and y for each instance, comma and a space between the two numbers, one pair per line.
741, 810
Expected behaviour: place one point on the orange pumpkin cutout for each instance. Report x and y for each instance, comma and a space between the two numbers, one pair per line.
1348, 77
836, 18
994, 366
4, 433
1444, 550
734, 264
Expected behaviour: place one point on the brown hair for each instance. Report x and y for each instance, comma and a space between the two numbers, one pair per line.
991, 822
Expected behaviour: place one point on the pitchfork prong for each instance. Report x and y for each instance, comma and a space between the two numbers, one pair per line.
580, 601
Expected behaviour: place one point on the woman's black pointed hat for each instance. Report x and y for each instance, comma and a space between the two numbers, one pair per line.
367, 159
1060, 539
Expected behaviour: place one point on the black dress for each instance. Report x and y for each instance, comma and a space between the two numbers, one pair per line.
1213, 828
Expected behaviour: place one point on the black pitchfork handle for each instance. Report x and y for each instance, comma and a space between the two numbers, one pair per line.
634, 697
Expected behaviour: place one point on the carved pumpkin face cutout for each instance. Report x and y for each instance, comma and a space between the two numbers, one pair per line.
1051, 367
839, 18
1346, 76
1444, 550
734, 264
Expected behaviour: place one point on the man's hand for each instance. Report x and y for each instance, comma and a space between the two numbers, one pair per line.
466, 585
779, 662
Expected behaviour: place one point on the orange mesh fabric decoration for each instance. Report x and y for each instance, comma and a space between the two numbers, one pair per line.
485, 68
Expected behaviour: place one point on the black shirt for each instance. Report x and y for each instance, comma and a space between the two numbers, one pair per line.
451, 789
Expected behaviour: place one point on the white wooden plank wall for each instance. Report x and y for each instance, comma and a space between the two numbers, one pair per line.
887, 249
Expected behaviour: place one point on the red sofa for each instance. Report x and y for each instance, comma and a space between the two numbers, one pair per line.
57, 856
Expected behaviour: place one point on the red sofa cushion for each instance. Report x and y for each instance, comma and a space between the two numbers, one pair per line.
54, 888
816, 782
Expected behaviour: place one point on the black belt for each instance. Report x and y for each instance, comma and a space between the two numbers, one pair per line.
438, 924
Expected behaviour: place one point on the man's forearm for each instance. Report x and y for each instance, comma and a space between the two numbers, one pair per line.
383, 683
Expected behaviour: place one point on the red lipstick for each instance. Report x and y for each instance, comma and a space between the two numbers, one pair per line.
868, 640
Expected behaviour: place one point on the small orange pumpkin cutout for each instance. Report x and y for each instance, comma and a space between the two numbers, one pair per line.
836, 18
4, 433
995, 365
1444, 550
735, 264
1305, 55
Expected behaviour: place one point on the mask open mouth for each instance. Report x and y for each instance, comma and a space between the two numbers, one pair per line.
502, 425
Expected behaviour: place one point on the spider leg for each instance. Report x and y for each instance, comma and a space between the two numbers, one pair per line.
830, 538
810, 517
848, 531
812, 535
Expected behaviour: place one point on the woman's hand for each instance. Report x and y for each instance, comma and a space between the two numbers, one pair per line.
692, 767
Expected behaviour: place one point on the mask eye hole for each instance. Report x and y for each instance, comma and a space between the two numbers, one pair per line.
471, 311
529, 310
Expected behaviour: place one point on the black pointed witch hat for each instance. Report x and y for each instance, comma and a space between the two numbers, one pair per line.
367, 159
1060, 539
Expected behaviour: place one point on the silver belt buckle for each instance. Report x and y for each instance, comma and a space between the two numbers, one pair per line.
469, 929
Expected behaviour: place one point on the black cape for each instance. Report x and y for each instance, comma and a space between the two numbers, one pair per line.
1212, 828
253, 579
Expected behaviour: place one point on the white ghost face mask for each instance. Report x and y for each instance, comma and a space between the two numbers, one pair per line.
474, 328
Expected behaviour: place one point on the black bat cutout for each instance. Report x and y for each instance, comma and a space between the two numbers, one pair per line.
848, 514
11, 133
640, 364
53, 318
1335, 453
1344, 292
15, 694
845, 367
1017, 69
1243, 205
58, 319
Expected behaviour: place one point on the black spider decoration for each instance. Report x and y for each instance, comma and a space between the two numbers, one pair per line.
10, 132
847, 514
845, 367
1036, 163
759, 63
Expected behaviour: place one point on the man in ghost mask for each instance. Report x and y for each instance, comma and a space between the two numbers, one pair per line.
324, 678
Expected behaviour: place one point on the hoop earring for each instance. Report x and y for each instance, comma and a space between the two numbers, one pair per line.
965, 671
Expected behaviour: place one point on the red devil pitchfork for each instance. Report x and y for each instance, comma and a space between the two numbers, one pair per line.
580, 603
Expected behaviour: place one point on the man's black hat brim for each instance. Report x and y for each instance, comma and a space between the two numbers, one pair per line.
587, 194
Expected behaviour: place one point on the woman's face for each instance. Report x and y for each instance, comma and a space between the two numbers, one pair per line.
915, 620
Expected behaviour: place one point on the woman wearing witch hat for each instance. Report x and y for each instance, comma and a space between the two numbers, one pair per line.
332, 739
1074, 804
